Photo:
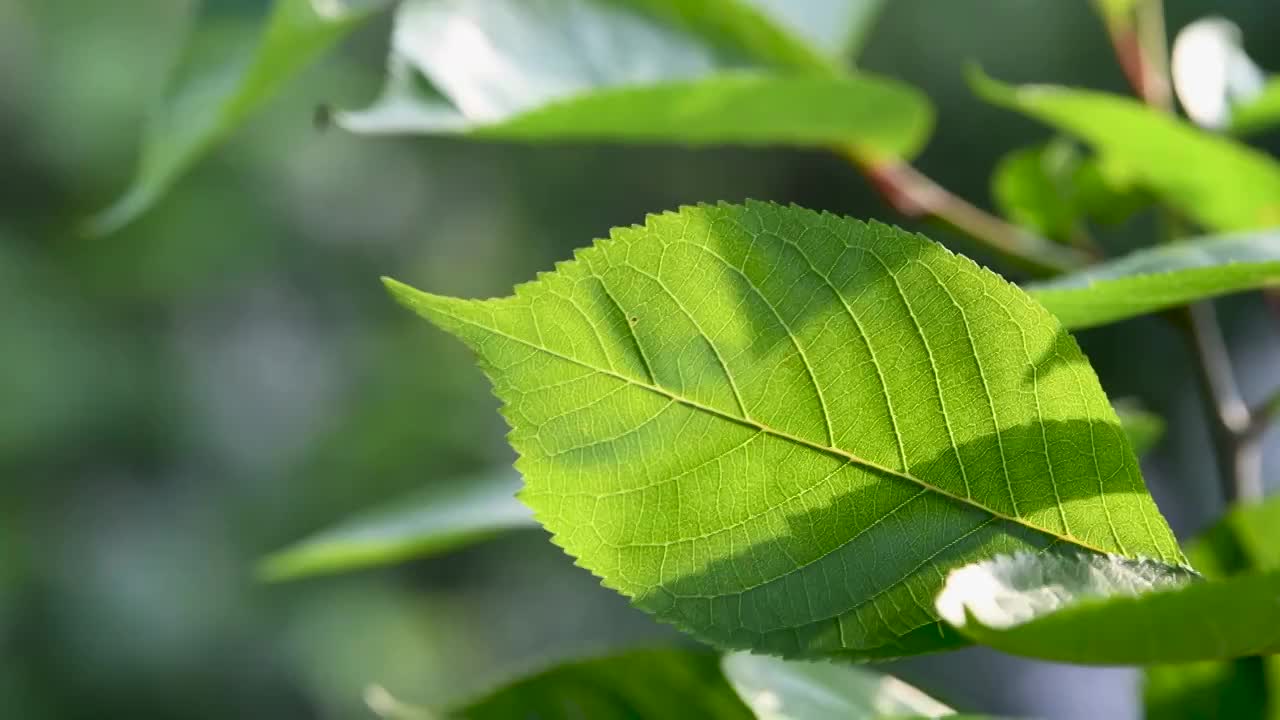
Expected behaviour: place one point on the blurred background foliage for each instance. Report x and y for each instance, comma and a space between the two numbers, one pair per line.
227, 374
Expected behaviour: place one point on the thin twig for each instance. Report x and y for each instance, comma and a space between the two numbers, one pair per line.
1237, 449
1236, 442
1265, 413
915, 194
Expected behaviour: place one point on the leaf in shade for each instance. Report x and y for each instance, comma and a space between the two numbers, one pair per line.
1143, 428
1246, 540
735, 414
1162, 277
431, 522
1104, 610
623, 75
639, 685
1216, 181
778, 689
218, 97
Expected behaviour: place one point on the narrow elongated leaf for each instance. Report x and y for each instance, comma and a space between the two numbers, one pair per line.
779, 429
217, 99
626, 76
1246, 540
640, 685
1094, 609
798, 690
431, 522
1162, 277
1216, 181
1260, 113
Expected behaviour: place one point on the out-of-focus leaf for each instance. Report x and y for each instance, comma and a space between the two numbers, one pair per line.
1246, 540
1216, 181
1104, 610
1162, 277
434, 521
778, 689
1142, 428
218, 98
656, 383
594, 70
1032, 188
639, 685
1260, 113
836, 27
1053, 188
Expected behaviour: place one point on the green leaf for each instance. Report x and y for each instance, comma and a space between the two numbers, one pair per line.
1162, 277
431, 522
1053, 188
217, 99
640, 685
1259, 113
735, 414
1246, 540
1218, 182
625, 77
1143, 428
1100, 610
1032, 187
796, 690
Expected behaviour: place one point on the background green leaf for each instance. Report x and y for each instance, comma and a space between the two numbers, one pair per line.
1218, 182
1246, 540
657, 384
1100, 610
798, 690
218, 97
639, 685
836, 27
1143, 428
626, 75
429, 522
1162, 277
1260, 113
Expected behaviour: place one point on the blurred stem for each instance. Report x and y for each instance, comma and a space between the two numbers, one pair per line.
915, 194
1235, 430
1233, 427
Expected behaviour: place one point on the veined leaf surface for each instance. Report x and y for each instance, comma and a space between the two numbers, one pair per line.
1220, 183
1162, 277
1099, 610
779, 429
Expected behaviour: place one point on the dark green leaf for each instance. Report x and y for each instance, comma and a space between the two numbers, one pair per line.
1162, 277
625, 76
1218, 182
431, 522
640, 685
1141, 427
218, 98
735, 414
1246, 540
1095, 609
797, 690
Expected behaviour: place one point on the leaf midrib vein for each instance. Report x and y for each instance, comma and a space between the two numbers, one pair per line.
781, 434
